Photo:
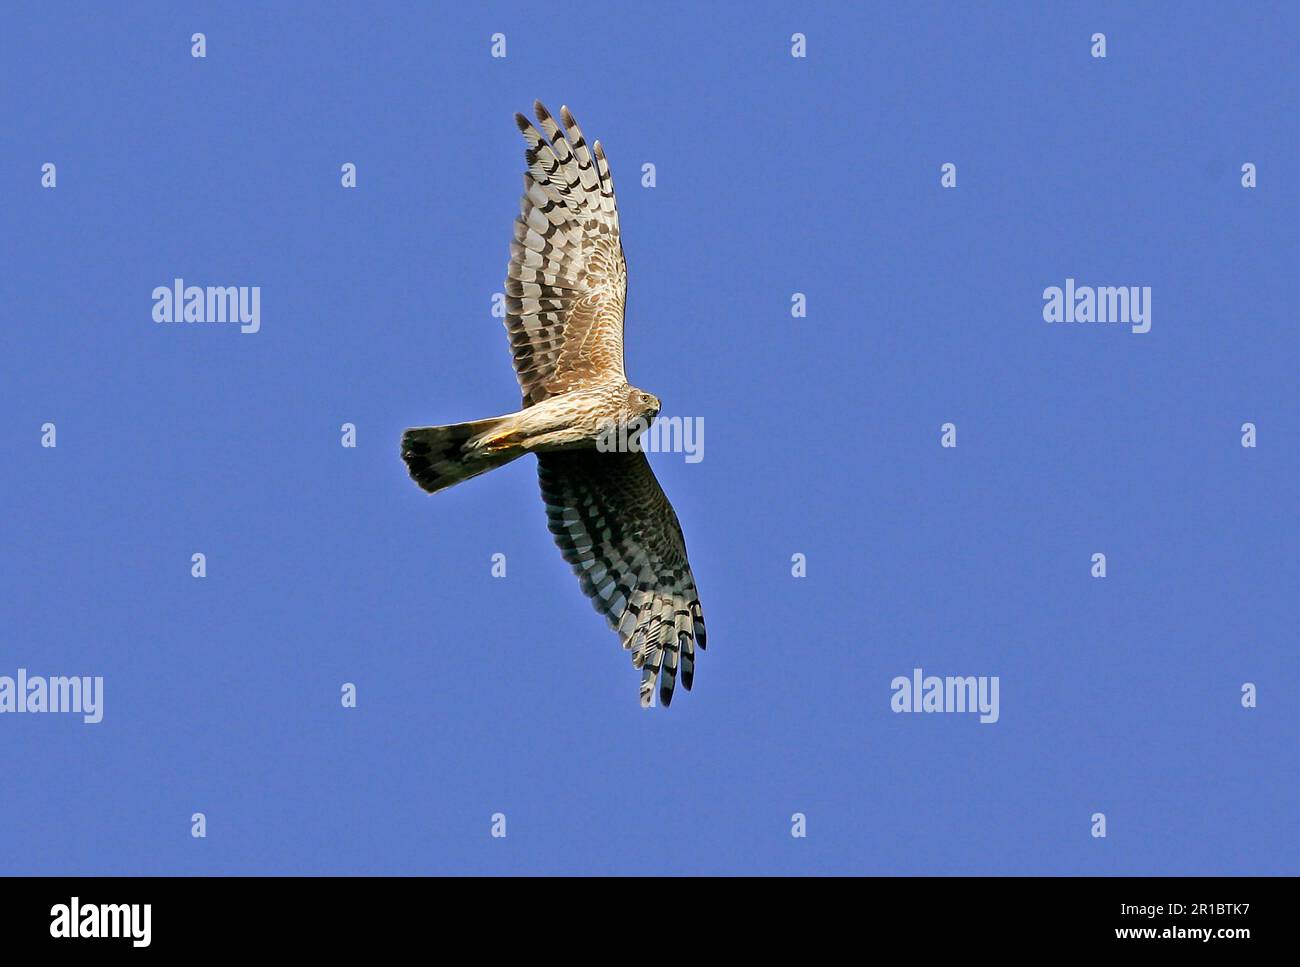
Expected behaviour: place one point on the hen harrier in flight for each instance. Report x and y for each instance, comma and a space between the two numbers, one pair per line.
565, 290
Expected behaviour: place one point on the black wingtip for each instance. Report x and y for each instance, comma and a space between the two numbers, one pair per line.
697, 625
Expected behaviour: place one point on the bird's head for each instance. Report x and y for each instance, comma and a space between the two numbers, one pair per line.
642, 404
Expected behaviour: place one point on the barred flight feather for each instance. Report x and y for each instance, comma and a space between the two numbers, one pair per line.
567, 280
616, 528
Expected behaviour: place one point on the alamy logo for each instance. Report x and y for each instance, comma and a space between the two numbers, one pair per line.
214, 303
131, 921
82, 696
1124, 304
666, 434
930, 693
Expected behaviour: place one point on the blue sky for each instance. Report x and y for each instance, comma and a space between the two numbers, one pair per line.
775, 175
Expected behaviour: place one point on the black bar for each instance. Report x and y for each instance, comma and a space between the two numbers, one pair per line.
334, 915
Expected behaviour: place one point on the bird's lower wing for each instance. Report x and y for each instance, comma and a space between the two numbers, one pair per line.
614, 525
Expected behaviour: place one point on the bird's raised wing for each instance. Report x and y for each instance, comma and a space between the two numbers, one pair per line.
615, 526
567, 280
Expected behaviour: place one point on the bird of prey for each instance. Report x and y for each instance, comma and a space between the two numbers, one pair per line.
565, 290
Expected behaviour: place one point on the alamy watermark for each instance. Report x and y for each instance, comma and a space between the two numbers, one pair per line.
1123, 304
214, 303
126, 921
79, 695
663, 434
930, 693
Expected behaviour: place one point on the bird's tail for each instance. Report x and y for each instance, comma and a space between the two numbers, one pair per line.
439, 456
